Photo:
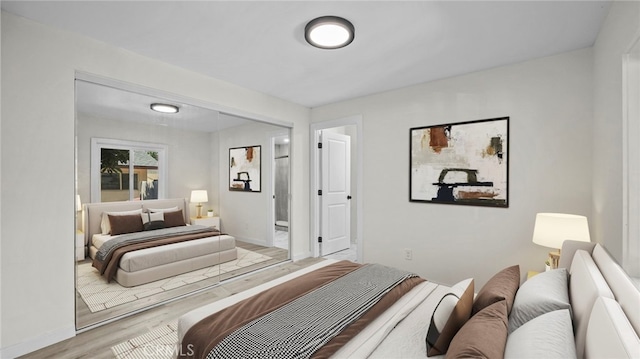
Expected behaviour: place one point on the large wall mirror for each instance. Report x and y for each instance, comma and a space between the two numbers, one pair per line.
171, 203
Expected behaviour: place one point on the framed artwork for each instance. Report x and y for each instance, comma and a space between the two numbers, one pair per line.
245, 171
461, 163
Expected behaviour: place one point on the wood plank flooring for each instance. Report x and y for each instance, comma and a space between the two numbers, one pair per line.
85, 318
97, 342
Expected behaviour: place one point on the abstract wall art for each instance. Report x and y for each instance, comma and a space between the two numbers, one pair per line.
461, 163
245, 169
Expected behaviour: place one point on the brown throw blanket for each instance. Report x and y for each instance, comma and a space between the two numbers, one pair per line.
202, 337
109, 266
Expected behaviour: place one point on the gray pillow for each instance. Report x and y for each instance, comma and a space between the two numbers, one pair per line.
541, 294
548, 336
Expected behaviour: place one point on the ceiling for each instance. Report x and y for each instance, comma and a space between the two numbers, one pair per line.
109, 103
260, 44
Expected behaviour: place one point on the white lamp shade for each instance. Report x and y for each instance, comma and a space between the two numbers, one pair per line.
199, 196
552, 229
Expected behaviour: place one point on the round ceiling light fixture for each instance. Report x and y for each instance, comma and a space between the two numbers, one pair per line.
164, 108
329, 32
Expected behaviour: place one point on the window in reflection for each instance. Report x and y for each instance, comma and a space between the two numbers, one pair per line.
113, 179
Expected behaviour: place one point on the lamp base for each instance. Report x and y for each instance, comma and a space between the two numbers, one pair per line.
555, 259
199, 210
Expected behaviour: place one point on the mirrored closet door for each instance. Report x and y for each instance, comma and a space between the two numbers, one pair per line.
171, 201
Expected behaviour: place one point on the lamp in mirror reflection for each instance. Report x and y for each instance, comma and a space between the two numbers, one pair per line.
199, 196
552, 229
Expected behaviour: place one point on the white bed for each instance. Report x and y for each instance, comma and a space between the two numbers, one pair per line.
600, 303
151, 264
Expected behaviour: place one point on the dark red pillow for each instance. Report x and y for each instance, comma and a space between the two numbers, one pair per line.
174, 219
125, 224
483, 336
503, 285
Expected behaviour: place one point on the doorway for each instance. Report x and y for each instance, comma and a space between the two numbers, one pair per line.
280, 190
338, 202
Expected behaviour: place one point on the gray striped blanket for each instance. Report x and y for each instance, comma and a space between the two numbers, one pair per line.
299, 328
139, 237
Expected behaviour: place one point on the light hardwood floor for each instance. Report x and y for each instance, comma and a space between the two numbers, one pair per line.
97, 342
85, 318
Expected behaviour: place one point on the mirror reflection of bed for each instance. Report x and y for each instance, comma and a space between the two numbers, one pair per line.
127, 156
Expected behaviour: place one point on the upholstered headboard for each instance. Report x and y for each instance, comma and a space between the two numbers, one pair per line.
93, 211
604, 302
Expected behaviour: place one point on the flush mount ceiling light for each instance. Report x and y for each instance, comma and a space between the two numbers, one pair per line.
164, 108
329, 32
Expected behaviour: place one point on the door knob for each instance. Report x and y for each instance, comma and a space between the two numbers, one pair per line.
348, 197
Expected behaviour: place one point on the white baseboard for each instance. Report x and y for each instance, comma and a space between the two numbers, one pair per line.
294, 257
36, 343
251, 240
299, 256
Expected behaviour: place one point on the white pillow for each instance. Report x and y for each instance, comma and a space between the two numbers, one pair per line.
105, 226
151, 216
170, 209
543, 293
548, 336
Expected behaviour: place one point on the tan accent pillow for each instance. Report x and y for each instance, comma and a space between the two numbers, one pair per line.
453, 310
174, 219
503, 285
483, 336
125, 224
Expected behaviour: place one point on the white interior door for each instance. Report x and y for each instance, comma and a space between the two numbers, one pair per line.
335, 204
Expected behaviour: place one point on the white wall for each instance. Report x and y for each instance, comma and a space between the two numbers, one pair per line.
244, 214
0, 189
620, 28
37, 148
189, 155
549, 103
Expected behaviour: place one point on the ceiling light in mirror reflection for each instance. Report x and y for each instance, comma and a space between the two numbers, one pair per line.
164, 108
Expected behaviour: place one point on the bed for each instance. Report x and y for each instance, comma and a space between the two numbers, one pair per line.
198, 247
587, 308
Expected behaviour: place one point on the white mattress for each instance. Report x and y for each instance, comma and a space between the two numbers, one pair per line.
156, 256
398, 332
99, 239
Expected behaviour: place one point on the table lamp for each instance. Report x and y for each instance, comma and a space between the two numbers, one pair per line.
199, 196
552, 229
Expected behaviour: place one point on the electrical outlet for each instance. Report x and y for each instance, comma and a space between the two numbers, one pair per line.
408, 254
